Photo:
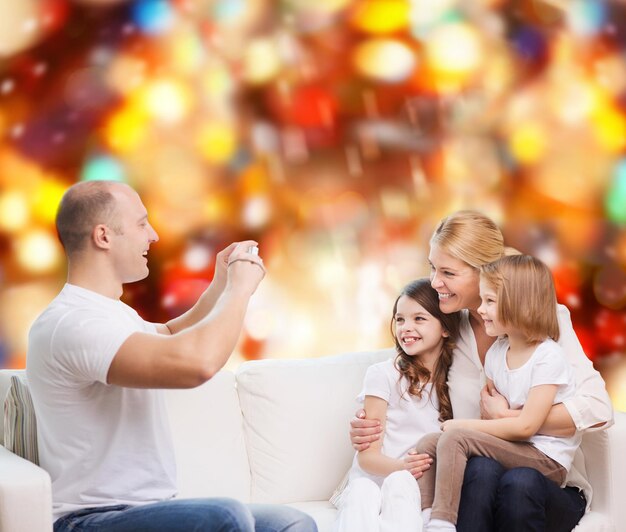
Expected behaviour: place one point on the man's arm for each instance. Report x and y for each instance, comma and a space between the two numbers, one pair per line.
209, 298
192, 356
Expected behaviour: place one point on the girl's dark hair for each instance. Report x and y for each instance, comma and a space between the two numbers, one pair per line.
411, 367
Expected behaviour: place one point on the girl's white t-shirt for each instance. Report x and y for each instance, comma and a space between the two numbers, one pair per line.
408, 417
547, 365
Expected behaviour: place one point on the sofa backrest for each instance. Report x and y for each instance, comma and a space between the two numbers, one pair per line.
206, 417
296, 420
207, 429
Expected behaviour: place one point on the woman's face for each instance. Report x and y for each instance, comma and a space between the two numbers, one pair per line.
455, 281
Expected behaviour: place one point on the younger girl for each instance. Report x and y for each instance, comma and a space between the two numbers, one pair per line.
410, 395
529, 368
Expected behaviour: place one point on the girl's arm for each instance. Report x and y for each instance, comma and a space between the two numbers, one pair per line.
520, 428
589, 409
372, 460
559, 423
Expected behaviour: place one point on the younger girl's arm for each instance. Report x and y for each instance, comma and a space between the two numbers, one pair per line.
558, 423
372, 460
589, 409
521, 428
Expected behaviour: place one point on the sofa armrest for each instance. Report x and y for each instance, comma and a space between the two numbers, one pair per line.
605, 464
25, 495
617, 470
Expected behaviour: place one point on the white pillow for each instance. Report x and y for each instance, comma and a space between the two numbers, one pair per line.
296, 422
20, 425
207, 431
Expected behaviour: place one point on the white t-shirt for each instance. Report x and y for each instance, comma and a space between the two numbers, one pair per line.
408, 417
590, 406
101, 444
547, 365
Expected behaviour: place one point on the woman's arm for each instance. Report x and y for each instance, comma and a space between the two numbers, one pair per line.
520, 428
590, 408
372, 460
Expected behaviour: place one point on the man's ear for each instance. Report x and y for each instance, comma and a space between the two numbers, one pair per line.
101, 237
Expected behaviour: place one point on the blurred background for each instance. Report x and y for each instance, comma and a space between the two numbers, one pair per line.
335, 132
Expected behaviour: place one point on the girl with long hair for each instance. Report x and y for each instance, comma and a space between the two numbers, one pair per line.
409, 393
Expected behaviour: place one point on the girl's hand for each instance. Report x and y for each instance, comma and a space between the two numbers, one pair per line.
416, 464
454, 424
493, 405
363, 431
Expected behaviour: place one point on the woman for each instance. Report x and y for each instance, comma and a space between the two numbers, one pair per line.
492, 498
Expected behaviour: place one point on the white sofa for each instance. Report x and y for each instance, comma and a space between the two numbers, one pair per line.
277, 432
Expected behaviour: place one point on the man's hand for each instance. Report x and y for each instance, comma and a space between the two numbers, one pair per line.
416, 464
244, 270
493, 405
364, 431
221, 262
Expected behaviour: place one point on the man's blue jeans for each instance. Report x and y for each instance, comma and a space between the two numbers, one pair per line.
517, 500
188, 515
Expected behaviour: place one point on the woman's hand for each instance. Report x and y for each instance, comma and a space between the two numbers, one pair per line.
363, 431
493, 405
416, 464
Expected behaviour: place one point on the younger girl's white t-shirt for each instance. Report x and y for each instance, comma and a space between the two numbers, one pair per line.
547, 365
408, 417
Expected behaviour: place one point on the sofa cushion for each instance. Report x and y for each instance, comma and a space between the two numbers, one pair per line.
20, 425
207, 430
296, 420
323, 512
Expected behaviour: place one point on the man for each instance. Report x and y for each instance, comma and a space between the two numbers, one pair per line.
95, 369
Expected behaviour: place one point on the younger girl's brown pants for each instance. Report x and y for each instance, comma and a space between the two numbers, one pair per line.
441, 485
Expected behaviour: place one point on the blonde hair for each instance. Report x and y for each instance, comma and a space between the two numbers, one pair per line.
526, 295
470, 236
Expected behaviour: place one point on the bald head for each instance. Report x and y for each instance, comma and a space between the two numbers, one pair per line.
83, 206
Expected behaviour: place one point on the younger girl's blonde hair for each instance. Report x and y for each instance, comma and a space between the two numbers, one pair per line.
526, 295
472, 237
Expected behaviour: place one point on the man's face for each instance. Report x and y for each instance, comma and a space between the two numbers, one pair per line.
131, 235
